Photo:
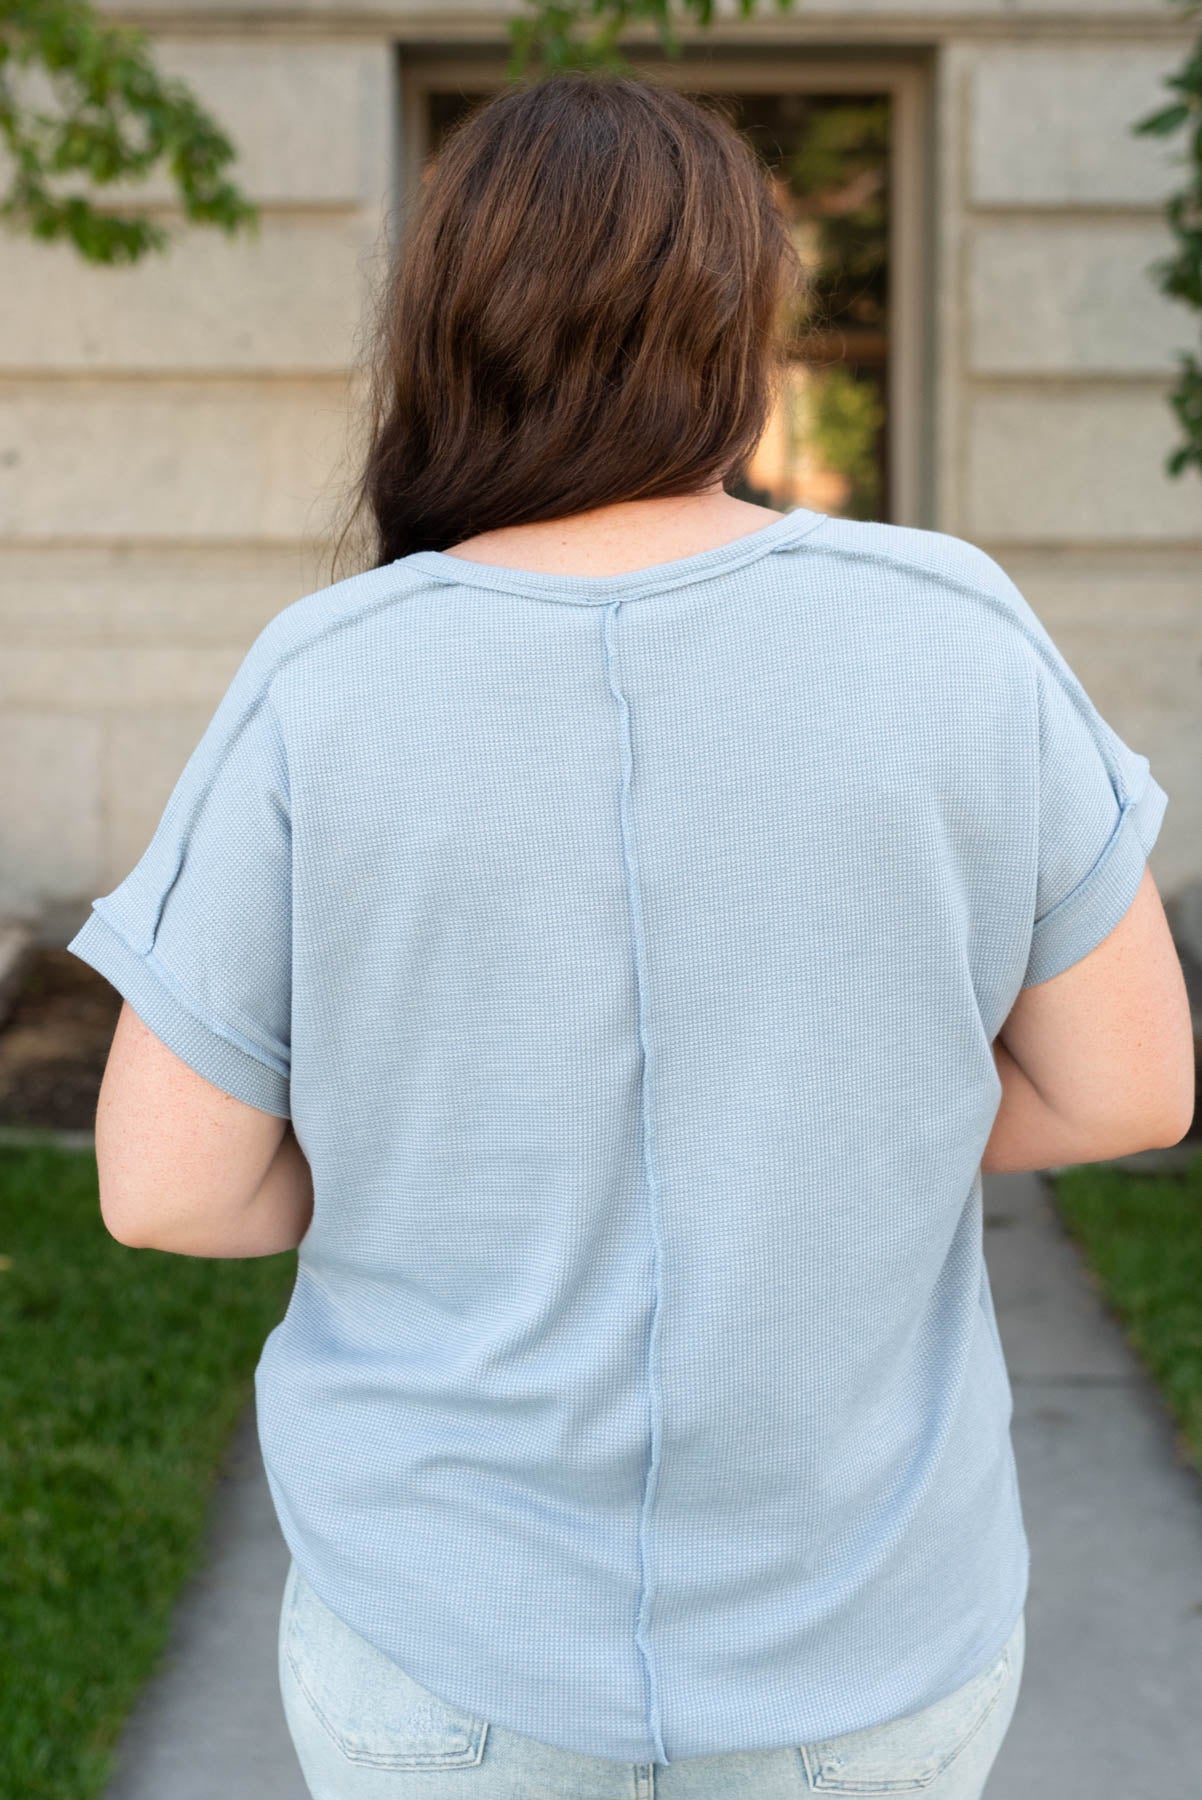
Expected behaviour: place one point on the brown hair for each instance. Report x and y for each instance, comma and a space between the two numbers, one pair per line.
587, 307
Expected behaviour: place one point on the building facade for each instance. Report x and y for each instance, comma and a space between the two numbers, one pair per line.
176, 439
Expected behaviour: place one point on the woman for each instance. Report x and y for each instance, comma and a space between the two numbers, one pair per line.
609, 937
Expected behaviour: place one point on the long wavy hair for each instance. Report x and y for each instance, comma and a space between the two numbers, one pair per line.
589, 304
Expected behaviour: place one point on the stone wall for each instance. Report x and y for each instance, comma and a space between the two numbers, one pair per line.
174, 438
1059, 358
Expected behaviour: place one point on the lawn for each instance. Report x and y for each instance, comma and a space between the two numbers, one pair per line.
122, 1375
1141, 1234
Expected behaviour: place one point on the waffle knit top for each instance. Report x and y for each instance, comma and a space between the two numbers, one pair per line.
627, 953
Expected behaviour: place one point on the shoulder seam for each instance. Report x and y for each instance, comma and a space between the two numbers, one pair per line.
917, 568
353, 617
261, 698
1072, 687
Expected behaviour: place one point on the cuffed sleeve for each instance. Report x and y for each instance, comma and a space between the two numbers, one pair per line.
1100, 812
208, 1046
198, 936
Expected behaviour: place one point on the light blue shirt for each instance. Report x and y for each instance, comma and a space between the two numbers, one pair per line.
627, 952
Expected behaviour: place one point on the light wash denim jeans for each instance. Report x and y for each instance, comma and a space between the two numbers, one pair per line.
364, 1730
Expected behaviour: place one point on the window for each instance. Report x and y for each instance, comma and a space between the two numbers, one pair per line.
842, 139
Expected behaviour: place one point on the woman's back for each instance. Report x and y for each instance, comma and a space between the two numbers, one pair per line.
628, 952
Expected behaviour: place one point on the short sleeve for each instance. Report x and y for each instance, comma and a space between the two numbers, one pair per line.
1099, 813
198, 936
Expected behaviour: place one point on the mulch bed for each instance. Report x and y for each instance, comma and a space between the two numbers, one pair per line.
54, 1043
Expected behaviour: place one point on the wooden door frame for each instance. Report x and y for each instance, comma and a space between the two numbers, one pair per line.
794, 68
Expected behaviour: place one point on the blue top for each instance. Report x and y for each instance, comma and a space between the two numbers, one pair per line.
627, 952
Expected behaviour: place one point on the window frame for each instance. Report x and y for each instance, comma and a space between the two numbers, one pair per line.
723, 67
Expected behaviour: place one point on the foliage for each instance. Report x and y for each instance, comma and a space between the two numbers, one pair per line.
557, 35
1180, 275
82, 99
846, 416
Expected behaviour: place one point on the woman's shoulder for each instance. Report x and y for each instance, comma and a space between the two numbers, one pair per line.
929, 565
912, 550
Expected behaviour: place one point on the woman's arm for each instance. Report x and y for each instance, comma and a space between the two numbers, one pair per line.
1029, 1134
277, 1215
1098, 1062
275, 1218
186, 1167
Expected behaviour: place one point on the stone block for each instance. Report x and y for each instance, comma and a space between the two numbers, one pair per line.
50, 807
1076, 464
1057, 296
290, 300
151, 594
1049, 124
294, 108
251, 460
1111, 597
102, 678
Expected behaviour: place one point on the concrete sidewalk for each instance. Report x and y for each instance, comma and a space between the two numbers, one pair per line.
1111, 1701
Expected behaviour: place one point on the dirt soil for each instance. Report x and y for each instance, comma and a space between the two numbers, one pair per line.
54, 1043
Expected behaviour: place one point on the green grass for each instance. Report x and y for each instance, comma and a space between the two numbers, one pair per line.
122, 1375
1141, 1234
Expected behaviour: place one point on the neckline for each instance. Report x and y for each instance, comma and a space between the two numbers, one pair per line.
798, 522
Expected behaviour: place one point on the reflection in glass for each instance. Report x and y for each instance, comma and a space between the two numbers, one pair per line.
829, 158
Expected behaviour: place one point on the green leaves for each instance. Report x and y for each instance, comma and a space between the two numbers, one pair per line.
1161, 123
557, 35
1180, 274
111, 117
1186, 401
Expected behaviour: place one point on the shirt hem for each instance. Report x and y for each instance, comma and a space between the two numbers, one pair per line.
211, 1053
1078, 923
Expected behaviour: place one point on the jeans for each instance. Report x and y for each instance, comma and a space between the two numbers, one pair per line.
364, 1730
